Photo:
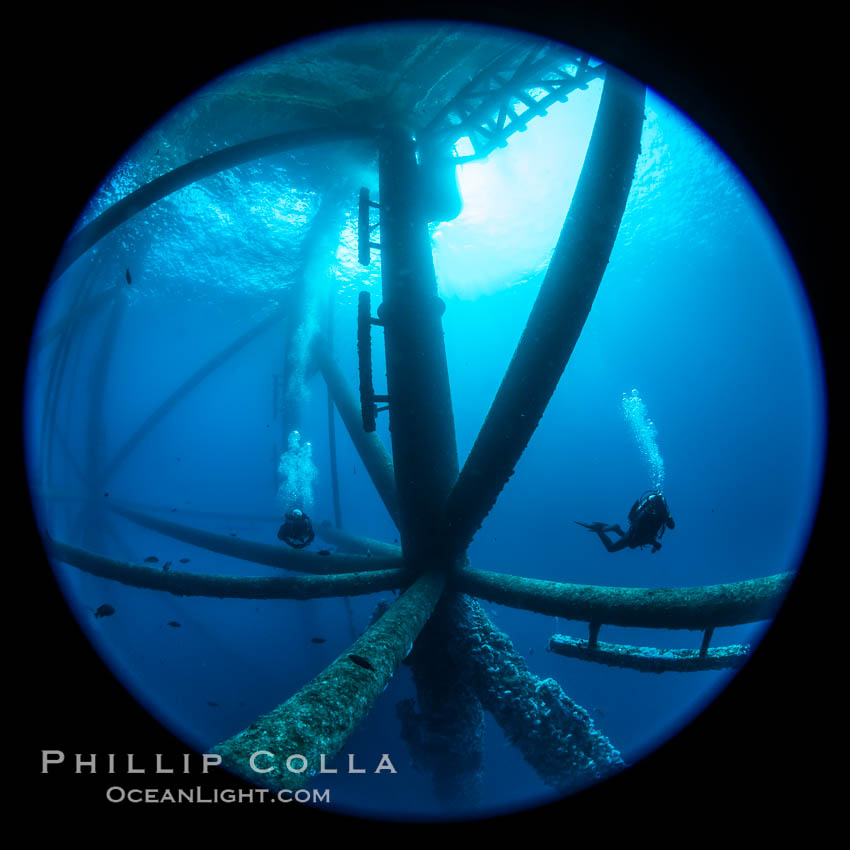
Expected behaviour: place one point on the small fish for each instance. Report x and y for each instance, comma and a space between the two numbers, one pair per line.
104, 611
324, 551
363, 662
380, 609
174, 624
233, 534
151, 559
317, 640
174, 510
213, 704
184, 560
106, 495
166, 565
129, 279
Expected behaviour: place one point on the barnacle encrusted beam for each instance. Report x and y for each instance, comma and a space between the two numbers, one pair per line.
372, 451
228, 587
269, 554
443, 726
555, 735
560, 310
648, 659
316, 722
696, 608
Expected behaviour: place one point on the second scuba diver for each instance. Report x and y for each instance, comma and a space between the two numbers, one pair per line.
297, 530
648, 519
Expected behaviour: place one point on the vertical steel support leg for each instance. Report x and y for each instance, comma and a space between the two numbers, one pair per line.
424, 459
421, 418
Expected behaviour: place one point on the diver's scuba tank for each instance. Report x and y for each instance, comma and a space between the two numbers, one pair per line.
649, 514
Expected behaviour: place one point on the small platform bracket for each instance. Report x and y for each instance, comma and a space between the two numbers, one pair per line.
368, 399
364, 229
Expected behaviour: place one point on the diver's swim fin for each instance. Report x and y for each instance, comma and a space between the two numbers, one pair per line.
593, 526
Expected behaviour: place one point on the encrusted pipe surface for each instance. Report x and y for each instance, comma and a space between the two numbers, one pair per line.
697, 608
648, 659
182, 583
316, 722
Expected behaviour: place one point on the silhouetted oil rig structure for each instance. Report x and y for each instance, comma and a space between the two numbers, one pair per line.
462, 665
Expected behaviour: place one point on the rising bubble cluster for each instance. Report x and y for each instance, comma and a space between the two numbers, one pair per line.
646, 436
297, 474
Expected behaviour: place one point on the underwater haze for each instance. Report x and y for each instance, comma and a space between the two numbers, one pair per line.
170, 374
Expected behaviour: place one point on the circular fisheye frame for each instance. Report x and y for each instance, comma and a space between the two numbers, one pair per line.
424, 421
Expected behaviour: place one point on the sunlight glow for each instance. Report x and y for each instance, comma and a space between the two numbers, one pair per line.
515, 202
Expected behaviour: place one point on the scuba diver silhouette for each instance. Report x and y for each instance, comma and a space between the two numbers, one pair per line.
648, 519
297, 530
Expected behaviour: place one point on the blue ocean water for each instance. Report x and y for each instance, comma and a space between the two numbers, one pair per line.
700, 311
